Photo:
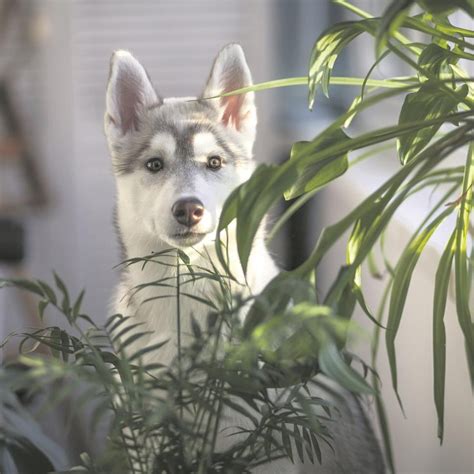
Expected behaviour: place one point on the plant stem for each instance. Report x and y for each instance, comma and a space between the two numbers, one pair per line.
380, 409
407, 43
334, 80
178, 329
358, 11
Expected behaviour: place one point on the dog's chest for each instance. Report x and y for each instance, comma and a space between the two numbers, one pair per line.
164, 306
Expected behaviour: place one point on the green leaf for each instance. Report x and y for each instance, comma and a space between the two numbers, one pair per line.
303, 81
56, 343
42, 305
401, 283
146, 350
470, 267
265, 184
65, 345
332, 233
125, 343
275, 297
391, 20
65, 304
374, 270
443, 6
205, 301
308, 447
376, 218
439, 35
184, 257
285, 439
354, 244
271, 186
77, 305
23, 284
47, 291
239, 408
376, 203
343, 286
120, 334
316, 447
311, 154
446, 26
115, 321
197, 333
319, 173
428, 103
249, 188
298, 442
32, 450
385, 431
250, 202
442, 278
461, 259
357, 290
334, 366
435, 60
291, 340
326, 50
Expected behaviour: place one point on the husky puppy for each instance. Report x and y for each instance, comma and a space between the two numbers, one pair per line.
175, 163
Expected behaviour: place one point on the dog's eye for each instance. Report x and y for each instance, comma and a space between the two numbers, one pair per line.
154, 164
214, 162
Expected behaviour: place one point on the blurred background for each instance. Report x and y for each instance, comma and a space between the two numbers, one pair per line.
57, 189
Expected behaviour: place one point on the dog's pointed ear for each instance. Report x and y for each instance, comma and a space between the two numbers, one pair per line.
230, 72
129, 92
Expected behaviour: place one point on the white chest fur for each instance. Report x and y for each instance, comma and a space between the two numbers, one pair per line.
164, 307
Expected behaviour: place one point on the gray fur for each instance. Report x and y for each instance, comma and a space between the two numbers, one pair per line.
146, 223
182, 120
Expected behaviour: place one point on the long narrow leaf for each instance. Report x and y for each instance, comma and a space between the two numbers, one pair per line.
460, 259
333, 365
442, 278
401, 282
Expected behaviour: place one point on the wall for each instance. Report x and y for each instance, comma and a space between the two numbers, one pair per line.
416, 446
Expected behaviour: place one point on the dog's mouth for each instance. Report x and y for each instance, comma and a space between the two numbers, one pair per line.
189, 237
185, 235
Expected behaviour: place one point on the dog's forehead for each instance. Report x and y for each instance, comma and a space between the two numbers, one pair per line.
186, 128
188, 141
176, 110
169, 139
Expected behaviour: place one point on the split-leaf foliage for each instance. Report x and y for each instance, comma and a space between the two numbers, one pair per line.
292, 337
435, 122
169, 419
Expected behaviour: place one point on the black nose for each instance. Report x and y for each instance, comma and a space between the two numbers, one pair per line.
188, 211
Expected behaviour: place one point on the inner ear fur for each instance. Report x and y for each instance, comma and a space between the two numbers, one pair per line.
230, 72
129, 92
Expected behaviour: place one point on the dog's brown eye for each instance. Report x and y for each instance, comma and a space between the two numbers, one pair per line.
154, 164
214, 162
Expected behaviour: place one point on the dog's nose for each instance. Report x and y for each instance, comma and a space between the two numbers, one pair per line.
188, 211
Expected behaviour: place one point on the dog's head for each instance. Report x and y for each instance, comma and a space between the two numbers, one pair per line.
177, 160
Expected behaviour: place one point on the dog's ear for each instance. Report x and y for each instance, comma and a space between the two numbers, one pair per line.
129, 93
229, 72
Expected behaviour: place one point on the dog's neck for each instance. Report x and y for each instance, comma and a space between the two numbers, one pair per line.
156, 305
